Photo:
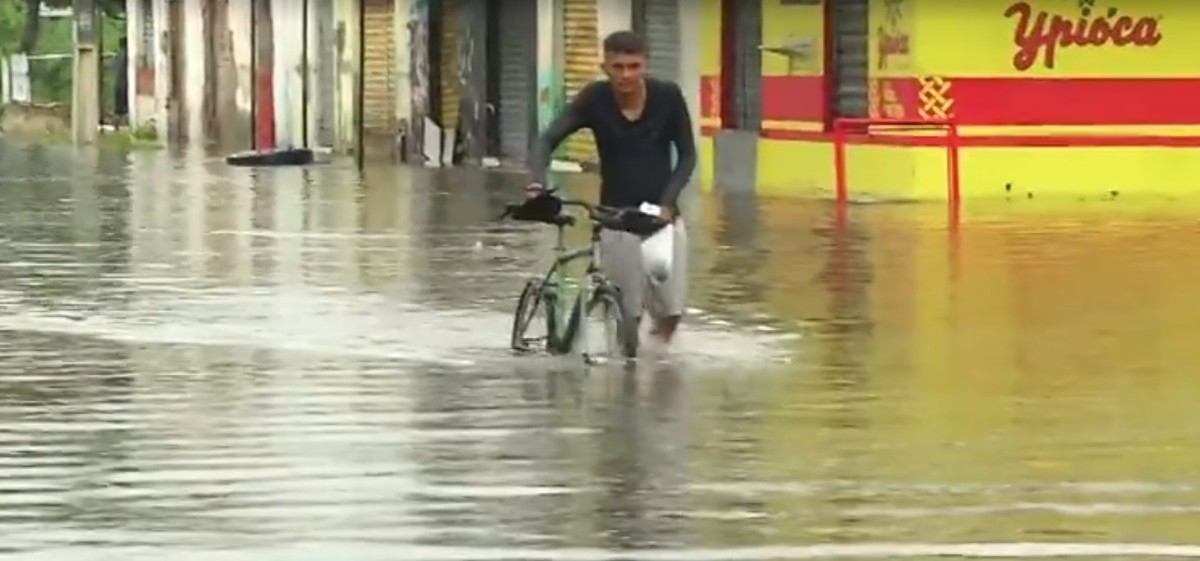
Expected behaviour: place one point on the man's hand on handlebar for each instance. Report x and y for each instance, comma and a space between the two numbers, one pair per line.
534, 190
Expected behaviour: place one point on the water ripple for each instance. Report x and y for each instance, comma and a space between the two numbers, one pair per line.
202, 362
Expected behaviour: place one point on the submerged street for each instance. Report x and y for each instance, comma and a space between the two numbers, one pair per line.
206, 362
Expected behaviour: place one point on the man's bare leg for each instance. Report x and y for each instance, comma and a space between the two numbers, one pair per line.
664, 328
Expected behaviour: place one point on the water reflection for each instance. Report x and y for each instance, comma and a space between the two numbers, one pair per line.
202, 362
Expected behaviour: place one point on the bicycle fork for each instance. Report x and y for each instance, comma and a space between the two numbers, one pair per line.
586, 293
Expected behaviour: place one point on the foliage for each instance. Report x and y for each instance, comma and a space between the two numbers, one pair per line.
31, 27
144, 137
51, 78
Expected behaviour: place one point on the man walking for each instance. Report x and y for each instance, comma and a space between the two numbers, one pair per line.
635, 120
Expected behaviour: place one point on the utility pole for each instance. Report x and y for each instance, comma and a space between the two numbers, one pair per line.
85, 100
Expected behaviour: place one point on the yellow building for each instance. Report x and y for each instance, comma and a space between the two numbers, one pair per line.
1061, 99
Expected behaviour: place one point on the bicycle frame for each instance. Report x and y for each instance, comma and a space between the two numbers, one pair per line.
556, 277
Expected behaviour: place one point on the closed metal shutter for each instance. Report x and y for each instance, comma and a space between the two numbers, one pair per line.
326, 98
850, 57
450, 89
378, 68
581, 46
747, 98
517, 117
661, 30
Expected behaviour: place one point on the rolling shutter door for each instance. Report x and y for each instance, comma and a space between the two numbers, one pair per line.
581, 46
850, 57
748, 80
661, 30
378, 79
518, 86
449, 91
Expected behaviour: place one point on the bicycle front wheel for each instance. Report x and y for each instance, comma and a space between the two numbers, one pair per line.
611, 331
534, 324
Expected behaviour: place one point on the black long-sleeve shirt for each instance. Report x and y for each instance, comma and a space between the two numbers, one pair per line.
635, 155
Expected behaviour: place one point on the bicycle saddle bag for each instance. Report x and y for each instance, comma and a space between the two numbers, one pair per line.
544, 208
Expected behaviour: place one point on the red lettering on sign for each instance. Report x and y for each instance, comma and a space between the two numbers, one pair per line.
1042, 34
891, 45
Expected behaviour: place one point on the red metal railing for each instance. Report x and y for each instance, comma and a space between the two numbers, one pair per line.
861, 131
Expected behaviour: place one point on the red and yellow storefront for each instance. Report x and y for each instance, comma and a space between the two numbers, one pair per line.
968, 327
1067, 98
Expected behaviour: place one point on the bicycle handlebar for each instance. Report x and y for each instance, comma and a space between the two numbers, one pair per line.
629, 219
597, 213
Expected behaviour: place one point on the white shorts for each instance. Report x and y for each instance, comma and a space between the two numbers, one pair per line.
621, 262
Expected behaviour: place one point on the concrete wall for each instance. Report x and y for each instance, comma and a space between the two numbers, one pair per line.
420, 45
612, 15
287, 19
141, 104
348, 69
403, 58
549, 62
218, 98
241, 36
689, 59
195, 54
162, 68
473, 76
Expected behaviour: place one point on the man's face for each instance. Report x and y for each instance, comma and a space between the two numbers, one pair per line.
625, 71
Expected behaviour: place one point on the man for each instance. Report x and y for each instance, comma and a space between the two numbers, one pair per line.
635, 120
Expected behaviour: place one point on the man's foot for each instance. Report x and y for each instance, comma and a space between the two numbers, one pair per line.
664, 328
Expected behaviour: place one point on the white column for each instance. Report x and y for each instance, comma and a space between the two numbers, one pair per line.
689, 59
287, 27
403, 102
241, 33
134, 31
162, 68
194, 62
348, 66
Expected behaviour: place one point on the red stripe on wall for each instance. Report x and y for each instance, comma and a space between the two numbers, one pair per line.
793, 98
1076, 101
996, 100
990, 141
784, 98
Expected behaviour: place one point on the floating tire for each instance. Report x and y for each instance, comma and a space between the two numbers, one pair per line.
281, 157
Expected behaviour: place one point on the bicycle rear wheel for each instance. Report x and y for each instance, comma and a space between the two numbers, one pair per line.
535, 321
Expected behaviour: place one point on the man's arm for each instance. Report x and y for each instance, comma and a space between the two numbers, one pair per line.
685, 145
572, 118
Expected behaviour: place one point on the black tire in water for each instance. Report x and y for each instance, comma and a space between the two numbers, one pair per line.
608, 299
535, 297
276, 157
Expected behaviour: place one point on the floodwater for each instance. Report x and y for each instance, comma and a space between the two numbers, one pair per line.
206, 363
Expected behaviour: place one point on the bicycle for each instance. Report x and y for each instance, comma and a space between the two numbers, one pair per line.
546, 293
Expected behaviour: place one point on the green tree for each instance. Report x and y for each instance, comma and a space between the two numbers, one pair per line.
32, 27
51, 79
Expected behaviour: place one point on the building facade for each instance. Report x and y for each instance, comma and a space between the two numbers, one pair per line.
434, 82
1072, 97
1059, 98
245, 73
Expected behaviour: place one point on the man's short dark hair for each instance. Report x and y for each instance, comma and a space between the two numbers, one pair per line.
624, 43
